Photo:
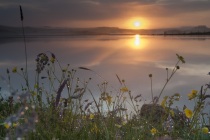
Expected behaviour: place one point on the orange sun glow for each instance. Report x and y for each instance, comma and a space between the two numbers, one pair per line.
137, 24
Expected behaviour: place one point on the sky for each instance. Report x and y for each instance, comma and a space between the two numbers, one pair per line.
111, 13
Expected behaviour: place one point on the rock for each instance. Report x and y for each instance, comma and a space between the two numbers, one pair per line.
153, 112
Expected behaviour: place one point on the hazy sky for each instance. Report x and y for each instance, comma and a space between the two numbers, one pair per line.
117, 13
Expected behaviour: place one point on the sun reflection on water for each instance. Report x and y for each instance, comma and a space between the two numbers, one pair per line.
137, 40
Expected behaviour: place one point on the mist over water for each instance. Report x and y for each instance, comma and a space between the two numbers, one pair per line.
132, 58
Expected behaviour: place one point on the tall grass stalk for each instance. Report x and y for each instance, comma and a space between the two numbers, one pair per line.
25, 48
176, 67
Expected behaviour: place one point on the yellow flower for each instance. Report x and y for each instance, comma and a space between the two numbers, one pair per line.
15, 124
124, 89
192, 95
14, 70
153, 131
7, 125
91, 116
188, 113
163, 103
205, 130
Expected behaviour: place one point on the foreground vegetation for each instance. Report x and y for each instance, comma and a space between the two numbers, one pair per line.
43, 111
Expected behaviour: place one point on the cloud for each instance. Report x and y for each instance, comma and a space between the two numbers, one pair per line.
53, 12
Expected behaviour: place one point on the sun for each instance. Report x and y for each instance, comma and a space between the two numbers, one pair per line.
136, 24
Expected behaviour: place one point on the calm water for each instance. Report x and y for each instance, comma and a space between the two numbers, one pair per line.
132, 58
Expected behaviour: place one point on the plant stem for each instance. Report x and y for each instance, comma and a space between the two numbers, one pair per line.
152, 90
168, 79
26, 58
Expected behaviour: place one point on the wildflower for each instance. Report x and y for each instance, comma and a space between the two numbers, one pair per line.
153, 131
188, 113
91, 116
205, 130
7, 125
192, 95
41, 61
95, 128
177, 96
168, 124
118, 126
15, 124
172, 113
14, 70
124, 122
180, 58
124, 89
163, 103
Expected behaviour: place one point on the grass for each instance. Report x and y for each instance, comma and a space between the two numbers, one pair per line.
54, 107
41, 111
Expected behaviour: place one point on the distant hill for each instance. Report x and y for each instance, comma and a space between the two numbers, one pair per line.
197, 30
6, 31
